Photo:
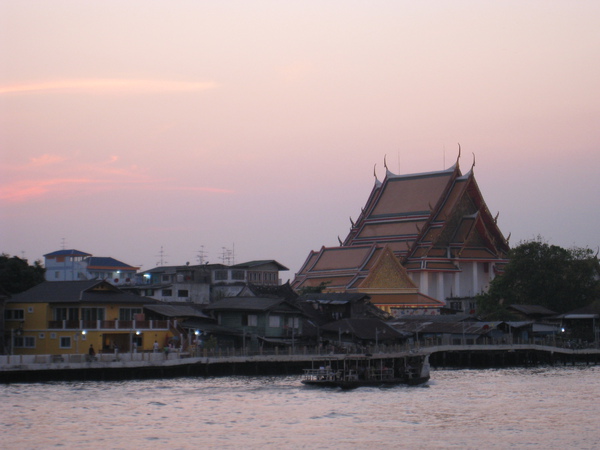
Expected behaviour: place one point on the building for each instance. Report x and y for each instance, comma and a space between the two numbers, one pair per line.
75, 265
206, 283
438, 226
263, 321
366, 269
66, 317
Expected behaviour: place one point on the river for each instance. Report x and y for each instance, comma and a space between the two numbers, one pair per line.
545, 407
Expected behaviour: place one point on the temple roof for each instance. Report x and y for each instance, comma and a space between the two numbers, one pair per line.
429, 215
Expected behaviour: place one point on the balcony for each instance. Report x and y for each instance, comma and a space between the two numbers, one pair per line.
110, 324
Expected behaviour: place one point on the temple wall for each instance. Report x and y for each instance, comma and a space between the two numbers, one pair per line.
473, 279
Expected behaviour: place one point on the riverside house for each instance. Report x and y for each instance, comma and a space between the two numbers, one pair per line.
263, 321
66, 317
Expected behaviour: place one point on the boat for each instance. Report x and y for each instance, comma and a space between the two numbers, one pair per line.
353, 371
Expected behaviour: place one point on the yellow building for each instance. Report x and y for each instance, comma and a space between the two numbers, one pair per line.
69, 317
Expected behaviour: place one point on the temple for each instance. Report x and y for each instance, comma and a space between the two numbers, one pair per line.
446, 243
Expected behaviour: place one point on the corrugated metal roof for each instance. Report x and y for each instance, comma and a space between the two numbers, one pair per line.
88, 291
250, 304
177, 310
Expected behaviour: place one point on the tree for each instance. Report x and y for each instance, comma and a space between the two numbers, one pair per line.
314, 289
542, 274
16, 275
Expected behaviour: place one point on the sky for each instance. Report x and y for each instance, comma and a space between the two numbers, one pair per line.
169, 130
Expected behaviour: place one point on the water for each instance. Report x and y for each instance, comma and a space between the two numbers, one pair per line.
508, 408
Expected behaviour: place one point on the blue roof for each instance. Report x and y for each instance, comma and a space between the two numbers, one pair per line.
70, 252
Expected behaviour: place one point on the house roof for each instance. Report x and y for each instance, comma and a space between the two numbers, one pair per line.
279, 291
533, 310
100, 262
334, 298
88, 291
171, 310
251, 304
364, 329
254, 264
70, 252
435, 327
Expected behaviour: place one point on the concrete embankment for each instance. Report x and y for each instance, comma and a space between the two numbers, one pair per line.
41, 368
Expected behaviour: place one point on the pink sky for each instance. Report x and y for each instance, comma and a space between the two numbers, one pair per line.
127, 126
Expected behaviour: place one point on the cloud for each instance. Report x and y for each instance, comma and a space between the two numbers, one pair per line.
46, 159
115, 85
42, 178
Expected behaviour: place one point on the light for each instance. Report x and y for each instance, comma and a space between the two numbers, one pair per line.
84, 332
138, 332
197, 332
562, 330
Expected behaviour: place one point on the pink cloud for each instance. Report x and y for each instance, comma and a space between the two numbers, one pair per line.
41, 178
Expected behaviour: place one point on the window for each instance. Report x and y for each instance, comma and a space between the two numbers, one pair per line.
183, 293
24, 342
250, 320
14, 314
65, 342
238, 275
166, 278
92, 313
167, 292
220, 275
129, 313
456, 305
274, 321
293, 322
66, 314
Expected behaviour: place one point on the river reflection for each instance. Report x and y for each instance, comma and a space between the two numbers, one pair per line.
509, 408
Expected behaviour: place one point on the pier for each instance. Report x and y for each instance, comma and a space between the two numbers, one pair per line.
123, 366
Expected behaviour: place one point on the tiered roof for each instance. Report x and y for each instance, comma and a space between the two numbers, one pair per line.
370, 269
430, 220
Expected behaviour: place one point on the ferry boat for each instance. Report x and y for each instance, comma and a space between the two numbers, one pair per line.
355, 371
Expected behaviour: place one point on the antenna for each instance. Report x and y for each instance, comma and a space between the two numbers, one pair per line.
398, 162
201, 255
161, 255
63, 244
226, 256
